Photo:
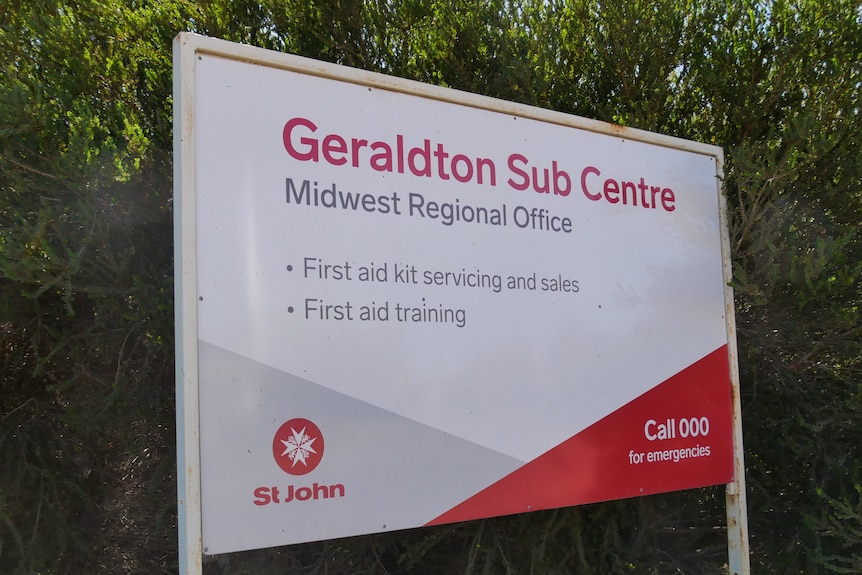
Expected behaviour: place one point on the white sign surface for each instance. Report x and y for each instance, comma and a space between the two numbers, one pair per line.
414, 309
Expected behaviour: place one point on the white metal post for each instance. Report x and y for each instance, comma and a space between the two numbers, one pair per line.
739, 561
185, 304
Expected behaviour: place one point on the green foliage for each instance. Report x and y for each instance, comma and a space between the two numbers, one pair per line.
86, 324
85, 276
841, 525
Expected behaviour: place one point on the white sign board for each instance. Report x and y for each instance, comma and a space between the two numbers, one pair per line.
413, 306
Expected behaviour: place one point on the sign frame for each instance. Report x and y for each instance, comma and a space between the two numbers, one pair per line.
187, 47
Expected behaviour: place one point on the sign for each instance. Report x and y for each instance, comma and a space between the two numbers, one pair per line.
413, 306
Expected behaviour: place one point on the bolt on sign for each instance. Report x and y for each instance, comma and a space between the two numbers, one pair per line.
402, 305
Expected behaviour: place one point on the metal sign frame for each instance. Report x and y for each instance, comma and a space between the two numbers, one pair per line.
187, 48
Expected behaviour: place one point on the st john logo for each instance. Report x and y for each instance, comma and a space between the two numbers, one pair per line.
298, 446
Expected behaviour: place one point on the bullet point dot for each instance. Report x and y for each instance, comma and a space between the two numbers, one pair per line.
290, 309
290, 268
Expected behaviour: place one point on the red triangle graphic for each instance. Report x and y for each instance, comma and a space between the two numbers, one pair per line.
614, 459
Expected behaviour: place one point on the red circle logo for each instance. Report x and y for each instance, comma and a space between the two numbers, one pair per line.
298, 446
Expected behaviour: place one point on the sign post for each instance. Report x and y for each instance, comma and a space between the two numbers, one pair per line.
185, 312
400, 305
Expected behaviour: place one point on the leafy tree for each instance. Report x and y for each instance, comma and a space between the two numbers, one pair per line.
85, 283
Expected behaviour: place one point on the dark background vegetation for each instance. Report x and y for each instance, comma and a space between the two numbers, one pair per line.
87, 456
